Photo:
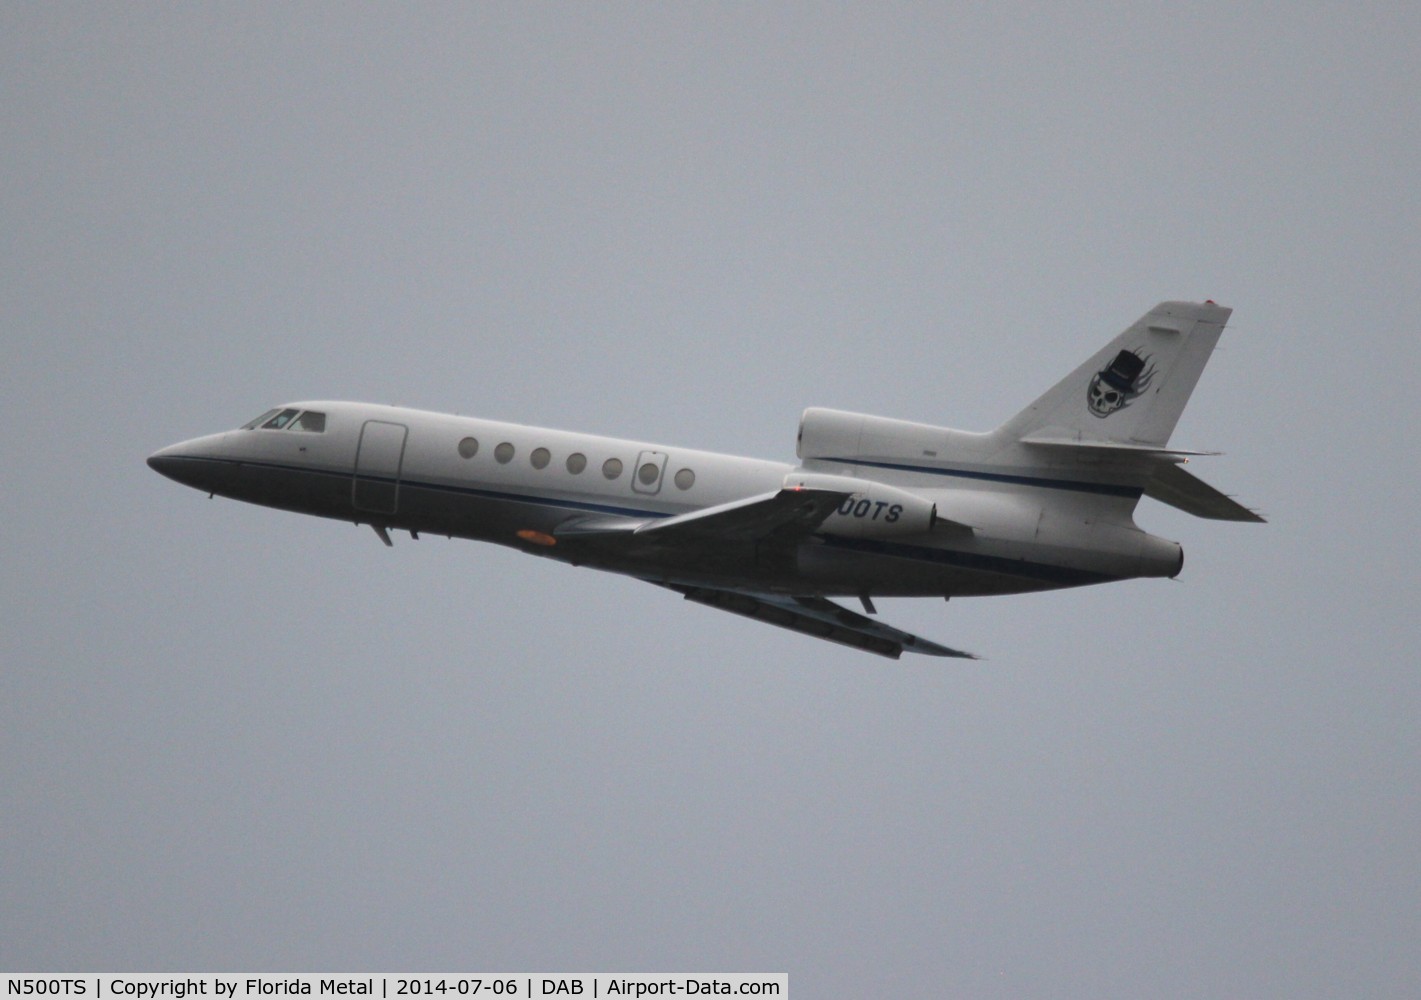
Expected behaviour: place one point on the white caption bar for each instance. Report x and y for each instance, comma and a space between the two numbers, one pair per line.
392, 986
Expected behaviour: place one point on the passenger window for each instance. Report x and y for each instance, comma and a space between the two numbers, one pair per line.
279, 421
540, 458
503, 454
576, 462
310, 421
612, 468
250, 424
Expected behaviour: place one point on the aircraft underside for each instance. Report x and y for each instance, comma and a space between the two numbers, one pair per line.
822, 565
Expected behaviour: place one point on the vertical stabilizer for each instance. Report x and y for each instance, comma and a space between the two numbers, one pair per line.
1132, 391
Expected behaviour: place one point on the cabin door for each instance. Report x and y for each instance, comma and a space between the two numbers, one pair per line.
378, 460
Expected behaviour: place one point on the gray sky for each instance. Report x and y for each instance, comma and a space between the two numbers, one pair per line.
237, 738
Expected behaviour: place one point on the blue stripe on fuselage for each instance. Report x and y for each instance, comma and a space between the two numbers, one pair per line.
1105, 489
1060, 575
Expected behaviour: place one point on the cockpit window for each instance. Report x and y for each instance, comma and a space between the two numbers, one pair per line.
279, 421
287, 420
250, 424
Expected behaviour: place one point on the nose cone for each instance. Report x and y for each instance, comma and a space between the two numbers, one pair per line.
199, 463
166, 461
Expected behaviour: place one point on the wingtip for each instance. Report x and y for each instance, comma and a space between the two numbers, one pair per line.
930, 648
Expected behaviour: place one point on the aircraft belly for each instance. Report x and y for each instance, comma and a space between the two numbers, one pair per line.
325, 493
215, 475
831, 566
328, 493
851, 567
438, 509
817, 568
825, 565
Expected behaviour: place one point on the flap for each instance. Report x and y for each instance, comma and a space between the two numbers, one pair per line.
820, 618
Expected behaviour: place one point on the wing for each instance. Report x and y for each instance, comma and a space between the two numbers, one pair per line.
786, 514
820, 618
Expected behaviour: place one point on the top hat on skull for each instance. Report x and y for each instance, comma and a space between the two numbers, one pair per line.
1114, 387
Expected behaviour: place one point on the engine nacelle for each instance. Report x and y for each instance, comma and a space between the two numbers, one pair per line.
872, 510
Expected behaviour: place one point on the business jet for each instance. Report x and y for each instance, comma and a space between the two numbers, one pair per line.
875, 507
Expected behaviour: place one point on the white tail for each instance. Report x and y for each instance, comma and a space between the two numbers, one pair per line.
1132, 391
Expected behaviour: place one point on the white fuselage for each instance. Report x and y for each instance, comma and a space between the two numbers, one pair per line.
398, 468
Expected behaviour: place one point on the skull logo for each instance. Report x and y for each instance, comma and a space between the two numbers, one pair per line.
1104, 400
1114, 387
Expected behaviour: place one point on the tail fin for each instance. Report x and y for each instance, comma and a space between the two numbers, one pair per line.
1132, 391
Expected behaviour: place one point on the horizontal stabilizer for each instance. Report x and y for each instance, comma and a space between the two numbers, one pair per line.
1045, 439
820, 618
1172, 485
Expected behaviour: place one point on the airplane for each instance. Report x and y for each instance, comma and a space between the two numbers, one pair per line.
875, 507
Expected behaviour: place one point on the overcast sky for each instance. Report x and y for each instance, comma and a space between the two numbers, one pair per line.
233, 738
